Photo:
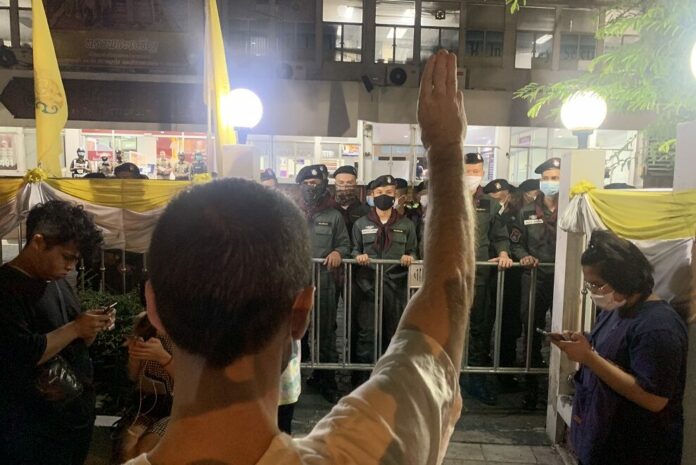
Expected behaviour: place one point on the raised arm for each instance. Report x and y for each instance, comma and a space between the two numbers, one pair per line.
441, 308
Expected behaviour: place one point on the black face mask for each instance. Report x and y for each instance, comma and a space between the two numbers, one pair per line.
384, 202
312, 194
345, 196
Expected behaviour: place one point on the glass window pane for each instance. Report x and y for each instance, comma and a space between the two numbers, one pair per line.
5, 27
404, 45
485, 17
518, 165
536, 158
396, 12
449, 39
440, 14
430, 42
579, 20
352, 43
474, 43
384, 44
494, 44
536, 19
524, 50
343, 11
588, 47
332, 42
563, 138
569, 47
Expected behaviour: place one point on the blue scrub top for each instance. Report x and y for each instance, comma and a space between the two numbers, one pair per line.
650, 342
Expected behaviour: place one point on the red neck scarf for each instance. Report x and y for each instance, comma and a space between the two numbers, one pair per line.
384, 232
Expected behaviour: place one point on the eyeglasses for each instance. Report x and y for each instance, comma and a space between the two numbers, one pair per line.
594, 288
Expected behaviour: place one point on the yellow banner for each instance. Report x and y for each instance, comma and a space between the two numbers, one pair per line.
9, 188
137, 195
646, 215
217, 82
51, 106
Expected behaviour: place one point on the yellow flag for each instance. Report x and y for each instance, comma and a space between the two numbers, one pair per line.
217, 83
51, 106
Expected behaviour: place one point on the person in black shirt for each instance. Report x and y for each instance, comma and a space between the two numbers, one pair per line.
40, 318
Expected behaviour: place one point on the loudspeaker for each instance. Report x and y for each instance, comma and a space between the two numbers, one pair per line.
397, 76
367, 82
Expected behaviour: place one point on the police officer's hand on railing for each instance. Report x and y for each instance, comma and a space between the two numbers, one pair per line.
503, 260
363, 259
333, 260
406, 260
529, 262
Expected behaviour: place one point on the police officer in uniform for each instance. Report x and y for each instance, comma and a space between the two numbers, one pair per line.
79, 167
268, 178
105, 167
347, 201
416, 212
198, 166
182, 169
329, 239
533, 241
119, 158
401, 196
381, 234
164, 166
529, 190
492, 244
502, 191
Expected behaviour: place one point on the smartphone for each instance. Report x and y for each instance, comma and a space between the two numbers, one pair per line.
108, 309
551, 335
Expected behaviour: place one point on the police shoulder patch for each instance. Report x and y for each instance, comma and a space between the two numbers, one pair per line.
515, 235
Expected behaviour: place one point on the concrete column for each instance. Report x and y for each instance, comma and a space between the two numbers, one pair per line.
576, 166
368, 45
502, 159
684, 168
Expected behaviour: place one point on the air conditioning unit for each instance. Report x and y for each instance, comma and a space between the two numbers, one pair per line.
291, 71
402, 75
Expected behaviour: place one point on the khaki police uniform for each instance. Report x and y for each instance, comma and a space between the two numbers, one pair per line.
182, 171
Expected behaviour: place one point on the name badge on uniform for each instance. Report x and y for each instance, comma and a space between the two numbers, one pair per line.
323, 223
398, 230
369, 230
533, 220
483, 206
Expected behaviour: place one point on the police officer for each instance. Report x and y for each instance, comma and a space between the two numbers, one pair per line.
416, 212
330, 242
182, 169
119, 158
401, 196
492, 244
529, 190
502, 191
198, 166
268, 178
105, 167
381, 234
79, 166
533, 241
164, 166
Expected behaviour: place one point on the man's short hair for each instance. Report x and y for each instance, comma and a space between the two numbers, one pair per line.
227, 260
61, 223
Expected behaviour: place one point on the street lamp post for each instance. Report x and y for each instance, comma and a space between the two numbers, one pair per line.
582, 113
243, 110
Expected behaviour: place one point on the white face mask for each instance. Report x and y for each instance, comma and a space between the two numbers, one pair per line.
606, 301
473, 182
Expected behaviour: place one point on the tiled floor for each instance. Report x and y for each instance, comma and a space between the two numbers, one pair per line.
500, 454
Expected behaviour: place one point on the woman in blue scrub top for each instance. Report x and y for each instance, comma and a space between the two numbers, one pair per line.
628, 392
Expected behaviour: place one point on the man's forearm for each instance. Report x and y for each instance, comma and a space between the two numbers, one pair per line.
57, 339
440, 309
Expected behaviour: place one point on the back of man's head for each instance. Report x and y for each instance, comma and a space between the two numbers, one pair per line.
227, 260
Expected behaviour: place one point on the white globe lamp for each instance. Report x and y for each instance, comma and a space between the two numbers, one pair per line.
582, 113
242, 108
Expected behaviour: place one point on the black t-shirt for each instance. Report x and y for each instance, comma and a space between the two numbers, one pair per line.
30, 309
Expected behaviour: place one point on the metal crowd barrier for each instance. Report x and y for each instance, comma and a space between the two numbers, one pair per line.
414, 282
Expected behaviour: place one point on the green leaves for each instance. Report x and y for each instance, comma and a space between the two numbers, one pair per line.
515, 5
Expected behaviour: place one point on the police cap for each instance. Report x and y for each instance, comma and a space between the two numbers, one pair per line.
497, 185
401, 183
529, 185
386, 180
550, 164
268, 174
312, 172
346, 169
473, 158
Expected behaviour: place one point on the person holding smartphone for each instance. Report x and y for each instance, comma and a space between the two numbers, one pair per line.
41, 320
627, 407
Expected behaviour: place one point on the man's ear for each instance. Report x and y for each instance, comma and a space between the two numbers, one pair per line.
151, 307
38, 242
301, 310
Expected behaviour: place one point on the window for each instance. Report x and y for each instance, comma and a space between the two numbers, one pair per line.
484, 43
297, 41
440, 28
343, 42
534, 50
612, 43
342, 30
395, 21
250, 37
578, 43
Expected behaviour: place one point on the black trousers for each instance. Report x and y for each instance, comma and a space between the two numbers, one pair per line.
325, 306
511, 325
481, 320
363, 317
542, 304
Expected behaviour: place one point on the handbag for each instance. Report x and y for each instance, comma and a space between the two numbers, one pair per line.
56, 381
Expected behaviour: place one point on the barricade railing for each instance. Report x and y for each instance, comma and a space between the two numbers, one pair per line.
414, 281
